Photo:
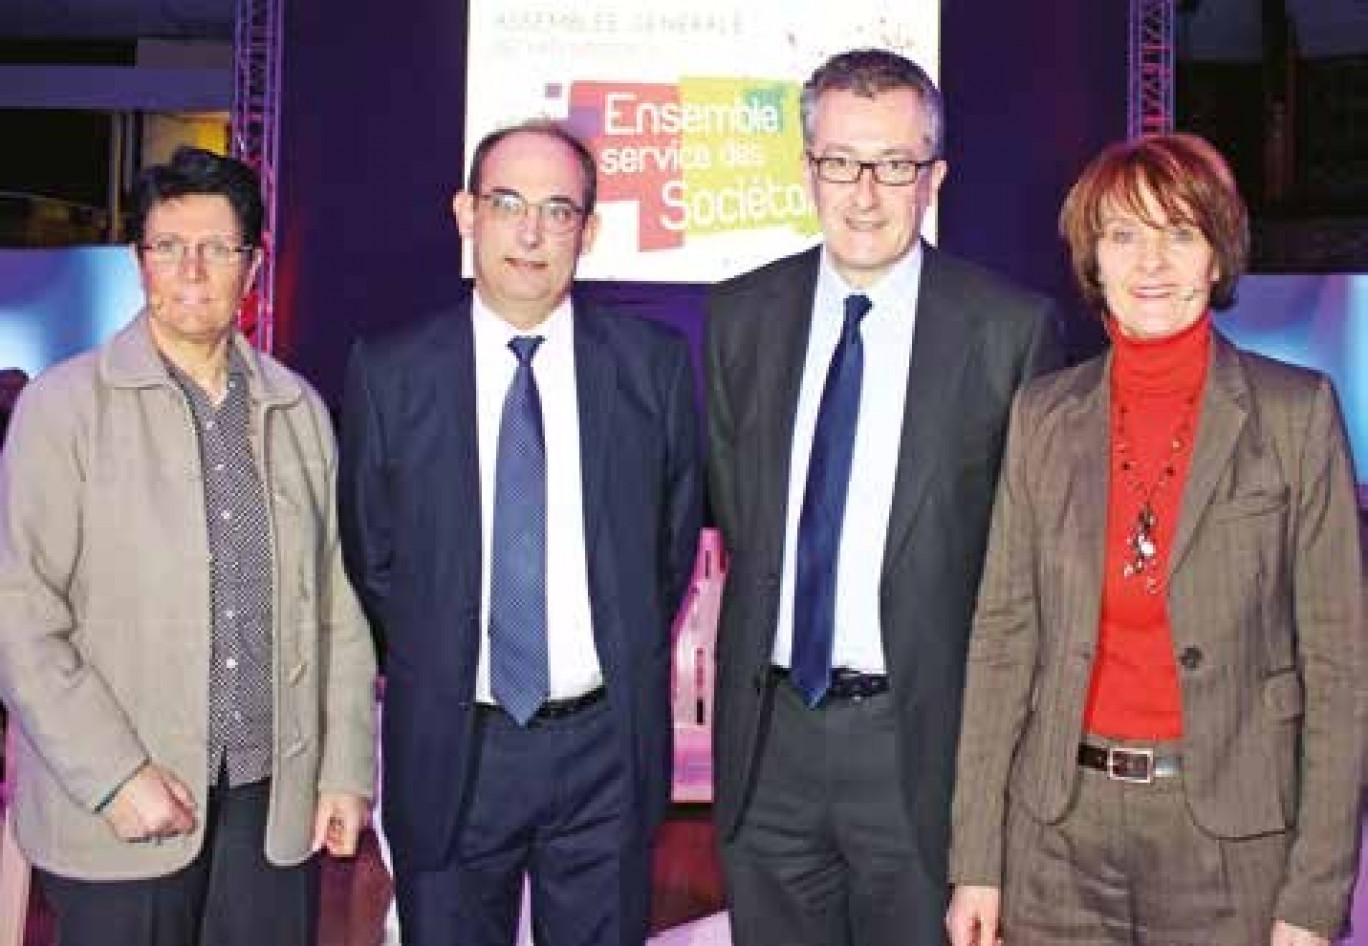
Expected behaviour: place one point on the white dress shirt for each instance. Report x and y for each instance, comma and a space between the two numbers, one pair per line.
571, 654
886, 332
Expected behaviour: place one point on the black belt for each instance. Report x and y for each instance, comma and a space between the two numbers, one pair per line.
559, 709
846, 684
1123, 764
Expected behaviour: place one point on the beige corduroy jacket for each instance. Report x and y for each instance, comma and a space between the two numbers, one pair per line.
105, 609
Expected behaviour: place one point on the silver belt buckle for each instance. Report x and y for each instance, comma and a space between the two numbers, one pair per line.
1120, 761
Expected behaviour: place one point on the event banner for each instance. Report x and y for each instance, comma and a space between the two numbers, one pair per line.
691, 108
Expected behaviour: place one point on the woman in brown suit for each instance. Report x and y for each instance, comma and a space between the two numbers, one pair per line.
1164, 723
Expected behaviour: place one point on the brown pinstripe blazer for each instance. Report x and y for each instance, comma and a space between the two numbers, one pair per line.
1265, 598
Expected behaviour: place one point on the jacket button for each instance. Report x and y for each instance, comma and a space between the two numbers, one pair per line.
1190, 658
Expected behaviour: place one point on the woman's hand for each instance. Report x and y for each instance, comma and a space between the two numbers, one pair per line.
151, 806
972, 919
339, 821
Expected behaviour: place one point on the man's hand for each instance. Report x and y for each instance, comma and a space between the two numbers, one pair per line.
972, 919
1285, 934
339, 821
151, 805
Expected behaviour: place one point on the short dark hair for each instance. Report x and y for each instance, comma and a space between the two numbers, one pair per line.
547, 128
1188, 180
867, 73
194, 171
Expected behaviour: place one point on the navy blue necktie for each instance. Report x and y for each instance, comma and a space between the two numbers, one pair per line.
518, 673
824, 502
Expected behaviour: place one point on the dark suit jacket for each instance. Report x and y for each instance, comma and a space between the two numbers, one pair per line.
410, 494
1265, 599
977, 338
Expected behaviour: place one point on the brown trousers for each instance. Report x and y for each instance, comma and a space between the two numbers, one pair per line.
1127, 865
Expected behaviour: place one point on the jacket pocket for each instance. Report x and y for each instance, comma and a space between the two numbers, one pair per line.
1252, 504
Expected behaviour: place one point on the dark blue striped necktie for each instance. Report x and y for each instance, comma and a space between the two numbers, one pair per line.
518, 667
824, 502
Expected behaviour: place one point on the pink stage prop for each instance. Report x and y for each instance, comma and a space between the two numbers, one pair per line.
695, 637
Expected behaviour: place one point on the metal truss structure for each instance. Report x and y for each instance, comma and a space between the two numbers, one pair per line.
255, 137
1150, 106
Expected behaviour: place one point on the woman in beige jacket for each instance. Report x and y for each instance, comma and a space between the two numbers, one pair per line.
189, 672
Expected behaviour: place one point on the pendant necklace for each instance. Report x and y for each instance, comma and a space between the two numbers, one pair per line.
1142, 544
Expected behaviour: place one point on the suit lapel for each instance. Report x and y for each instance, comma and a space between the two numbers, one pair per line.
1224, 410
595, 381
780, 350
459, 393
445, 392
1082, 480
939, 349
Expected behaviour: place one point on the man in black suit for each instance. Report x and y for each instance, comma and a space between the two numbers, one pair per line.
857, 404
520, 494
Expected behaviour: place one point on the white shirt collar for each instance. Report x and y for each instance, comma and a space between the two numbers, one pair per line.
557, 328
889, 293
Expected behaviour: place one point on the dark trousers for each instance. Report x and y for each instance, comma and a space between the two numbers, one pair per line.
549, 801
825, 854
1127, 866
229, 895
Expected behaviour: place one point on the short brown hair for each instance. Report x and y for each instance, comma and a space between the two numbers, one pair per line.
1186, 177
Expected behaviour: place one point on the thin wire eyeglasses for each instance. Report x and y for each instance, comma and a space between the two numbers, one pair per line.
558, 215
893, 172
170, 252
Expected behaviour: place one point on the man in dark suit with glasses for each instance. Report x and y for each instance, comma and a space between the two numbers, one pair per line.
520, 494
857, 403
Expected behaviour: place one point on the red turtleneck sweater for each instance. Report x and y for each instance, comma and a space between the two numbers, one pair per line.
1158, 384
